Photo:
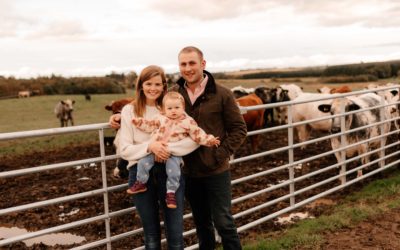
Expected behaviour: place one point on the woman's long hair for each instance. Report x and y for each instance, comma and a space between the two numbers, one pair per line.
139, 105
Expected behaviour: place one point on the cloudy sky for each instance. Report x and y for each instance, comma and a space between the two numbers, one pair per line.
95, 37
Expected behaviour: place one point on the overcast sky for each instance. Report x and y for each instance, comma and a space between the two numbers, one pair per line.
95, 37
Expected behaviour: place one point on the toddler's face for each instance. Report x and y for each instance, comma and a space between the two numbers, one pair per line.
173, 108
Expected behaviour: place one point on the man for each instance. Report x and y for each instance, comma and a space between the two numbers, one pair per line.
208, 181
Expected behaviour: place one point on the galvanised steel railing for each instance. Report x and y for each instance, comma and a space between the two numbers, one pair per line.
290, 182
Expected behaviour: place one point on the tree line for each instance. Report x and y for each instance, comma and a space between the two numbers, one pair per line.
356, 72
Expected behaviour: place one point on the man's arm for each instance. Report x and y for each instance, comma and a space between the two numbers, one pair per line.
235, 127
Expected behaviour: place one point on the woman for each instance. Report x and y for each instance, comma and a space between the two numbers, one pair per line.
135, 144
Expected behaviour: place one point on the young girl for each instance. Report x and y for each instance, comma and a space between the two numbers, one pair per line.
174, 125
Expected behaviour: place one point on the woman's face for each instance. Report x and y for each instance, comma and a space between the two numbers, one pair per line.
153, 89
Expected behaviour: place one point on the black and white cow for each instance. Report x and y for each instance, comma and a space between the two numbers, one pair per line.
284, 93
357, 120
63, 111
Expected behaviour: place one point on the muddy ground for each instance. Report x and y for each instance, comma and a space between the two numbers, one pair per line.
379, 233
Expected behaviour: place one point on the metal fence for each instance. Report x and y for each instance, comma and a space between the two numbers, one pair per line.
297, 194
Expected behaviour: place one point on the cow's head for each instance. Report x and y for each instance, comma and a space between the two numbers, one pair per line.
334, 109
283, 95
116, 106
267, 95
68, 105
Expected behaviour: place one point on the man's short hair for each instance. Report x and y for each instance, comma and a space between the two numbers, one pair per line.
189, 49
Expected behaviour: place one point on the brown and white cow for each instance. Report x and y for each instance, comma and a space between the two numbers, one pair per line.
254, 118
356, 120
115, 107
63, 111
337, 90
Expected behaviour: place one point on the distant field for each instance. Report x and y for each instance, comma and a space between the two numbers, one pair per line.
38, 112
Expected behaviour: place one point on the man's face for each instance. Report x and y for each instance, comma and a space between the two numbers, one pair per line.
191, 67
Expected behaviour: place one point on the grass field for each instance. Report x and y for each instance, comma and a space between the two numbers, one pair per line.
38, 113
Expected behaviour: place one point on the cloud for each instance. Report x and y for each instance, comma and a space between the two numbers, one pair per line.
209, 9
370, 13
11, 22
68, 29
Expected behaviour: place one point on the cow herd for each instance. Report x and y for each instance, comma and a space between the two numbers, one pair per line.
309, 112
324, 111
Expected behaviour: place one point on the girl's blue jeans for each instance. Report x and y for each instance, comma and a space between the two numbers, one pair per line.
149, 203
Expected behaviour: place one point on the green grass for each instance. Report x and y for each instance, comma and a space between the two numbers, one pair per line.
38, 113
377, 197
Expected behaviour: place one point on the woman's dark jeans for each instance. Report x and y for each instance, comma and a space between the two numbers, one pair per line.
148, 205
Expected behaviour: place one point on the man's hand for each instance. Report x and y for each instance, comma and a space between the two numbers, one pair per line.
115, 121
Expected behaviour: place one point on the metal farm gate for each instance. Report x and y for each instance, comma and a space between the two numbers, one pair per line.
304, 176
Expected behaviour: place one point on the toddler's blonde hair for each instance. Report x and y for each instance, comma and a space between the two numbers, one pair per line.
171, 96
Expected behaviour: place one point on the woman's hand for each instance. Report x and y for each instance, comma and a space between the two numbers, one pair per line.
160, 150
115, 121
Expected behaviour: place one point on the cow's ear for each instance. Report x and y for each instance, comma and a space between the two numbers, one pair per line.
73, 101
62, 102
326, 108
108, 107
353, 107
394, 92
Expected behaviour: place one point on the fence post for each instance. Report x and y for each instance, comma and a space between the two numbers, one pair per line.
343, 141
291, 154
382, 129
104, 181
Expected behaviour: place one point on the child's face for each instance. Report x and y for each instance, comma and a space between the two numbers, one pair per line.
173, 108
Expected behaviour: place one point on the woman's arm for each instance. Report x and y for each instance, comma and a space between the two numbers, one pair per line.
130, 149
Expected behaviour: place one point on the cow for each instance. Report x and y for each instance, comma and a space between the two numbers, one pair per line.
267, 95
255, 118
88, 97
338, 90
63, 111
23, 94
392, 97
240, 91
284, 93
116, 106
308, 111
120, 171
356, 120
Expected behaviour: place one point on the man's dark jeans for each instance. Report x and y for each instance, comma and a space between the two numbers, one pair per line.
148, 206
210, 199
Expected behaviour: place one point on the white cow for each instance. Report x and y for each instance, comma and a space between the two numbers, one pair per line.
356, 120
308, 111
